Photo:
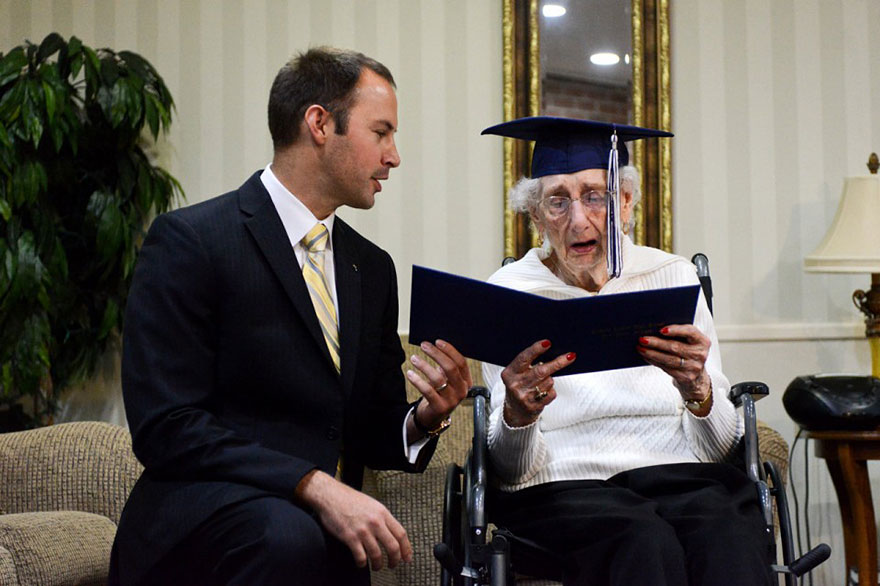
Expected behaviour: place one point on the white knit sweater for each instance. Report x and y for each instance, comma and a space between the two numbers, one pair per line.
606, 422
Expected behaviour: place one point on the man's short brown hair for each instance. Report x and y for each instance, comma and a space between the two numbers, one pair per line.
322, 75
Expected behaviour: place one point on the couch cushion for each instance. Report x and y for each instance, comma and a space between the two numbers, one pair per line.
58, 548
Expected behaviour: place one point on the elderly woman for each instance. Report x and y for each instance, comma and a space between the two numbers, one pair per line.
618, 471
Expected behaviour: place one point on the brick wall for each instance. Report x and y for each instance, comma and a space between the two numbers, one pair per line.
574, 98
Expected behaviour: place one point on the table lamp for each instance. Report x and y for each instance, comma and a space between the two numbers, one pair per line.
852, 245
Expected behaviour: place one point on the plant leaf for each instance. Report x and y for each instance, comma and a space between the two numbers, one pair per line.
11, 65
137, 64
5, 209
74, 46
49, 95
4, 137
10, 105
109, 319
92, 73
52, 43
105, 100
118, 103
110, 225
109, 68
152, 114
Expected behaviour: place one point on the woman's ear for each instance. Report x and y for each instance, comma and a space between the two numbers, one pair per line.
626, 207
537, 219
319, 123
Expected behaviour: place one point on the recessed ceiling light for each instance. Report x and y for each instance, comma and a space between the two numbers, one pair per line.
626, 58
604, 58
553, 10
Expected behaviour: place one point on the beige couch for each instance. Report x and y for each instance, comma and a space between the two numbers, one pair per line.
62, 489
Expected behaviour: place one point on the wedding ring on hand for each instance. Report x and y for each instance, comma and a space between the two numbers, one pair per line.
540, 395
441, 387
681, 361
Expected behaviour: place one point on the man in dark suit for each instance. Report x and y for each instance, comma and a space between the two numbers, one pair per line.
261, 361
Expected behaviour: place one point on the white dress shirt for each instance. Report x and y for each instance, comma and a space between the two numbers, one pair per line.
298, 220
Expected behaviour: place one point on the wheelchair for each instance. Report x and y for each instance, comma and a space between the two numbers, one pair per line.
469, 556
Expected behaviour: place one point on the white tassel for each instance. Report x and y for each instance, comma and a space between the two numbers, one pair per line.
612, 218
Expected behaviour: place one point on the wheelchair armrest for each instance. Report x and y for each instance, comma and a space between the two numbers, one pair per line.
745, 394
476, 475
757, 390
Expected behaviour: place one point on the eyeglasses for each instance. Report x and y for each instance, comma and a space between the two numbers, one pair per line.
559, 206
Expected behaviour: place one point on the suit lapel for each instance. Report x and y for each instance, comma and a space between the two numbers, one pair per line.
348, 291
267, 230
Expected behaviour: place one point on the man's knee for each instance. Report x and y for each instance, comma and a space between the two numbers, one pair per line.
279, 536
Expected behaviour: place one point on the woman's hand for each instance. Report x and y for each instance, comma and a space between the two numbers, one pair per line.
529, 388
681, 353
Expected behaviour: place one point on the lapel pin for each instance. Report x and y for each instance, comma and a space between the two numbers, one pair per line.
355, 267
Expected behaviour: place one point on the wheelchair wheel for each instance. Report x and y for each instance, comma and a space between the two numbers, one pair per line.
453, 525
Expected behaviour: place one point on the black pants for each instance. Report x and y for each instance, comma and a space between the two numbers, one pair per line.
264, 541
696, 524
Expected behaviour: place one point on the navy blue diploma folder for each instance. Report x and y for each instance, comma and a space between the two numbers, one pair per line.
493, 324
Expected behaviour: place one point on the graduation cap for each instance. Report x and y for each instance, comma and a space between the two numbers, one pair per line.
569, 145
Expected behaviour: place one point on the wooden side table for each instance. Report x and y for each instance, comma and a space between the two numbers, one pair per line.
846, 453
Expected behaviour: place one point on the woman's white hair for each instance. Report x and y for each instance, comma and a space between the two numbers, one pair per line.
630, 181
526, 193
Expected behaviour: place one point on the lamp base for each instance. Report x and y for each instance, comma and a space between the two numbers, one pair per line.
869, 304
875, 355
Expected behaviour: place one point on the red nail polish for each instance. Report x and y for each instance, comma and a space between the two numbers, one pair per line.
545, 343
643, 341
664, 331
571, 356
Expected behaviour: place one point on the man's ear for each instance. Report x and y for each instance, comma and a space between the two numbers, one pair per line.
319, 123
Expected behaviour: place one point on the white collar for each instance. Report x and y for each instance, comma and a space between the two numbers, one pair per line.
295, 216
531, 274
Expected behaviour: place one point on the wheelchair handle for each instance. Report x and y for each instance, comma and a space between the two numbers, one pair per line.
443, 554
810, 560
702, 263
478, 390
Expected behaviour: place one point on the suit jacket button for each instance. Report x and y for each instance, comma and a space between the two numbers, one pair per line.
332, 433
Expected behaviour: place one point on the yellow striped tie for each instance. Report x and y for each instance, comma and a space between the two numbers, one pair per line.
313, 272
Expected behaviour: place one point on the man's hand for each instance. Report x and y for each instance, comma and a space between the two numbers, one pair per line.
443, 386
359, 521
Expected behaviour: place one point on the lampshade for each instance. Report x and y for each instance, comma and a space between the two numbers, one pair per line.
852, 244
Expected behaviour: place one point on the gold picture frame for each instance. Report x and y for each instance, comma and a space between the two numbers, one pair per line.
651, 109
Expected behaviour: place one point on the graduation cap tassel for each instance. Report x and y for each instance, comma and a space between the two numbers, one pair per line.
612, 218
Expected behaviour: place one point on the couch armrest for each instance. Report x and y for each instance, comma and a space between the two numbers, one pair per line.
7, 568
57, 548
80, 466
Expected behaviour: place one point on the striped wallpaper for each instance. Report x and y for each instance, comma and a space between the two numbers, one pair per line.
774, 103
441, 208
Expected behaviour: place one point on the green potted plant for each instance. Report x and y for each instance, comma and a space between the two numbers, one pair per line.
77, 190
